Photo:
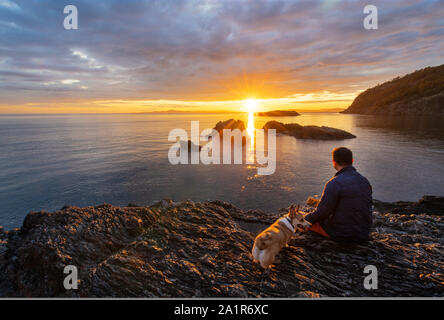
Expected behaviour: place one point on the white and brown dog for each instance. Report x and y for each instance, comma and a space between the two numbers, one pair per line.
270, 241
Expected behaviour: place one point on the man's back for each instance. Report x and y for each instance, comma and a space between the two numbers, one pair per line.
345, 210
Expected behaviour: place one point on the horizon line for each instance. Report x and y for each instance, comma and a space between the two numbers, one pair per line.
332, 110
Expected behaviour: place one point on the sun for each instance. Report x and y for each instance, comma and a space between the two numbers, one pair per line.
250, 105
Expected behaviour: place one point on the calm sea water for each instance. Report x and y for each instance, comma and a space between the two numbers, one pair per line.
49, 161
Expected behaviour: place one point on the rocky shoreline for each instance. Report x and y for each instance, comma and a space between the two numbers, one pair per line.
202, 249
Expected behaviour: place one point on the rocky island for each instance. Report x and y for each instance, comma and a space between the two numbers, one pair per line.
420, 93
291, 129
279, 113
189, 249
230, 124
308, 132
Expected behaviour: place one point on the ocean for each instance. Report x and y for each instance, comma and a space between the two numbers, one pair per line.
48, 161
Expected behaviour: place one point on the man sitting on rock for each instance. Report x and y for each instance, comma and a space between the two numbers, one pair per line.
344, 212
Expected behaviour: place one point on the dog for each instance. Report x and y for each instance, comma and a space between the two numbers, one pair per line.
270, 241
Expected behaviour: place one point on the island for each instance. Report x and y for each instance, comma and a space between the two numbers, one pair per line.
420, 93
291, 129
230, 124
308, 132
278, 113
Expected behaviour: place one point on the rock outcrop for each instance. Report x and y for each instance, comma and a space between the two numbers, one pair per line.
420, 93
428, 204
231, 124
202, 249
291, 129
308, 132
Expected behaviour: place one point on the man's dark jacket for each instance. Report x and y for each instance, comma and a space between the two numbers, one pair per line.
345, 209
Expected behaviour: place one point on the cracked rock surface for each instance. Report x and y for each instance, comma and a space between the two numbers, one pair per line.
190, 249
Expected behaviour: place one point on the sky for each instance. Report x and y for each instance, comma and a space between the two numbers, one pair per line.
157, 55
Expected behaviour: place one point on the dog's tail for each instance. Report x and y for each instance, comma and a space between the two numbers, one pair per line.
264, 241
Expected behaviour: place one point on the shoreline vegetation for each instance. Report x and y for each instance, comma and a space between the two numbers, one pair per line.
202, 249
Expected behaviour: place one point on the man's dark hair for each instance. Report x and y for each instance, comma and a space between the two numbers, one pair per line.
342, 156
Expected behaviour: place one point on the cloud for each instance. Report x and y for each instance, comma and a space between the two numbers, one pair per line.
69, 81
9, 5
209, 50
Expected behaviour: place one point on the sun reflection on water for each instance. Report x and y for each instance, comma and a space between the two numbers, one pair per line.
251, 105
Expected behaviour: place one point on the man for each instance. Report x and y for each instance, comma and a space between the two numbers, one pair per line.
344, 212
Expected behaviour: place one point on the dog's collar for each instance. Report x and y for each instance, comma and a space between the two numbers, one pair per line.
287, 223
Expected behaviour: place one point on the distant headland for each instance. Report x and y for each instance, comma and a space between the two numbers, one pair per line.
420, 93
